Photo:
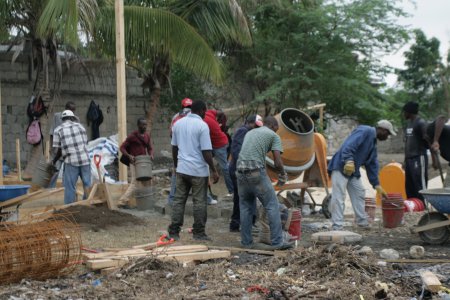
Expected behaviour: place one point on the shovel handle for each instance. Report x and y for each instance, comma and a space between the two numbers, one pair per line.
97, 160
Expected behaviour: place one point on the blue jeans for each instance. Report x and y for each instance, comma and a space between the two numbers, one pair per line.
220, 154
70, 179
254, 184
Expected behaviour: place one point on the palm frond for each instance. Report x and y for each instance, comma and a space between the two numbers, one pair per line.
62, 18
152, 32
222, 22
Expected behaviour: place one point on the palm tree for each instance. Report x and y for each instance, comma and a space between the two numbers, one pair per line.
178, 31
38, 29
154, 36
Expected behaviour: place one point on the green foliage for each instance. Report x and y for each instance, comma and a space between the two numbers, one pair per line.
309, 52
421, 75
425, 76
156, 32
184, 85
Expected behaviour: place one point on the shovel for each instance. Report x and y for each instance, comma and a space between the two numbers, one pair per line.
438, 162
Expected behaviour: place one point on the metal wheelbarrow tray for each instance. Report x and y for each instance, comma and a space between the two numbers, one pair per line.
434, 227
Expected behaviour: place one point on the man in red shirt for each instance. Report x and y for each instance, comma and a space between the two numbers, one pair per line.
137, 143
219, 141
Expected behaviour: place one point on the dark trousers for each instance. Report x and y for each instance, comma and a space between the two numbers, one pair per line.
199, 186
416, 176
235, 217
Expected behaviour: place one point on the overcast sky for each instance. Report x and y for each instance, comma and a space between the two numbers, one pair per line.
433, 18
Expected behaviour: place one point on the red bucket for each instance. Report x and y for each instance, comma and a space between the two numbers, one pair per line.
295, 226
414, 204
370, 208
392, 217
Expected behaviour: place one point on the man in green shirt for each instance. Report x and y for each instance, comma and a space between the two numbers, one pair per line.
253, 181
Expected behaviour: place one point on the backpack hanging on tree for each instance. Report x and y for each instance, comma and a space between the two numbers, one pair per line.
36, 108
34, 133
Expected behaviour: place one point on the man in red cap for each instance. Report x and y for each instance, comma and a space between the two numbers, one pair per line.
186, 105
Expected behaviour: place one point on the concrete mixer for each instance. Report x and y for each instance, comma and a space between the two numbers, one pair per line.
304, 153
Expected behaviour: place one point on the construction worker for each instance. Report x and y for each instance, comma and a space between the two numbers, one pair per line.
57, 120
359, 149
416, 160
137, 143
252, 122
192, 154
219, 142
70, 143
253, 182
438, 136
186, 105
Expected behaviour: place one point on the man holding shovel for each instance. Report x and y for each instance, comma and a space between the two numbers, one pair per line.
359, 149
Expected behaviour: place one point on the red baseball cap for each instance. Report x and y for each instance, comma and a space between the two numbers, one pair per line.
186, 102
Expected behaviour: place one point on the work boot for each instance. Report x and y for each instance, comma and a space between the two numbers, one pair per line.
202, 237
175, 236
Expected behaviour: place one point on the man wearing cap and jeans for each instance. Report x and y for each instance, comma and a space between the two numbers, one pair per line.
416, 160
359, 149
69, 141
252, 122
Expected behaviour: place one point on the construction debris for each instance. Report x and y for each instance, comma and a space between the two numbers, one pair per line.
38, 249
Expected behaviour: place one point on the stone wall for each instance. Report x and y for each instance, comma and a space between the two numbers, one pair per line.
98, 83
338, 130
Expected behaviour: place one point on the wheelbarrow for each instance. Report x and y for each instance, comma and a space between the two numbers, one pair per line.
434, 227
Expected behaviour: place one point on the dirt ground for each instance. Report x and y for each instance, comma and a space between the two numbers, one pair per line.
310, 271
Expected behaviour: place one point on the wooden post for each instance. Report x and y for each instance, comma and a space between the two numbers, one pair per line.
1, 137
18, 166
321, 119
121, 82
47, 150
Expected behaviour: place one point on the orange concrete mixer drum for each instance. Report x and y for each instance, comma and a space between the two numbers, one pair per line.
296, 130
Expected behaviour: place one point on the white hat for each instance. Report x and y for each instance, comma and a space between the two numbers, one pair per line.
259, 121
385, 124
66, 114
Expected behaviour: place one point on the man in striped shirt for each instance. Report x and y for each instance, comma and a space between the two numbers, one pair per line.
69, 141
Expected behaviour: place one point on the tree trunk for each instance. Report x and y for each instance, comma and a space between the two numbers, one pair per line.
155, 96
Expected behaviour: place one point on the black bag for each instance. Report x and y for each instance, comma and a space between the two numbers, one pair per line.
125, 160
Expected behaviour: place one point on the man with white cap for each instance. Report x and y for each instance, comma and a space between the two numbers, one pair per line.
359, 149
69, 141
252, 122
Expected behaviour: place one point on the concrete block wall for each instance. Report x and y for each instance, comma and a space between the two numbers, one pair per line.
79, 86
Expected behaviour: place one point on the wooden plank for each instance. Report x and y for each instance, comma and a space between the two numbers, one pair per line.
200, 256
235, 250
18, 166
98, 264
291, 186
141, 252
430, 281
117, 253
93, 191
109, 271
20, 199
109, 200
82, 202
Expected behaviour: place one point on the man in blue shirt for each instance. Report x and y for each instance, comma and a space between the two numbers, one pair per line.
359, 149
252, 122
192, 154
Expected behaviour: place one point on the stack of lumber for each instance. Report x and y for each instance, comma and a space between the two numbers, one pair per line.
112, 259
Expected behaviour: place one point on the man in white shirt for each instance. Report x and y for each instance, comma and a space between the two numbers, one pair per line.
192, 154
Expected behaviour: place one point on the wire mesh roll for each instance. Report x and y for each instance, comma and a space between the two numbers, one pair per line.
39, 249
